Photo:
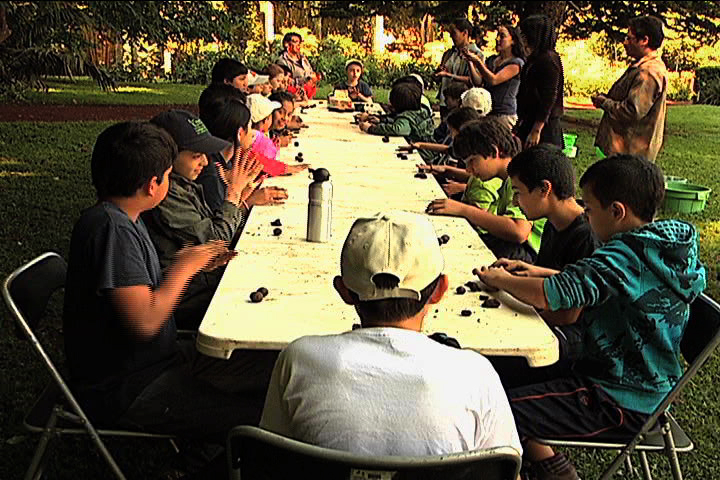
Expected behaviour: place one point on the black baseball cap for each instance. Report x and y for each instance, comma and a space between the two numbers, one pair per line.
189, 132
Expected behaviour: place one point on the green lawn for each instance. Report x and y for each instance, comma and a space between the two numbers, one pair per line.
45, 182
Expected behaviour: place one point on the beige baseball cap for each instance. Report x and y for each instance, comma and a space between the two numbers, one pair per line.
479, 99
396, 242
255, 78
261, 107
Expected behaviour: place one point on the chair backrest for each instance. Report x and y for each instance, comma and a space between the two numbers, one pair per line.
28, 289
702, 333
259, 454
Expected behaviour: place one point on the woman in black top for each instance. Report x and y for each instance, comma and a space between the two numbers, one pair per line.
540, 98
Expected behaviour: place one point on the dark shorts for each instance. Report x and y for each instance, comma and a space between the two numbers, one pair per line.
572, 407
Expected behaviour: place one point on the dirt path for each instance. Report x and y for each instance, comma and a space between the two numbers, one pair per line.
83, 113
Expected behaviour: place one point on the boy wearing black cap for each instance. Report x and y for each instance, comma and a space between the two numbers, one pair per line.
184, 216
386, 388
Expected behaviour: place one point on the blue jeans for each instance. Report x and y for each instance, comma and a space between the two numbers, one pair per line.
203, 397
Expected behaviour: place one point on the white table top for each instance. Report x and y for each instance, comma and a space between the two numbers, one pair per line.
367, 177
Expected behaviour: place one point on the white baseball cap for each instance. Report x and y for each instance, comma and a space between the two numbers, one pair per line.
477, 98
261, 107
398, 243
256, 79
419, 79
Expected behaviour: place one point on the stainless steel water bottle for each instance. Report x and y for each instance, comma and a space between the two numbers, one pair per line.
319, 220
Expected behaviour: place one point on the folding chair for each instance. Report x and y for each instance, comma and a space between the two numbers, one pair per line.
254, 453
26, 293
661, 433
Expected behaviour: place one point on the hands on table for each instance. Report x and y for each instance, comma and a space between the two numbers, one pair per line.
452, 187
434, 169
445, 206
268, 196
292, 169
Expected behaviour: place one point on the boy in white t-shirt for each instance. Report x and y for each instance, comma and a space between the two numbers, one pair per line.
386, 388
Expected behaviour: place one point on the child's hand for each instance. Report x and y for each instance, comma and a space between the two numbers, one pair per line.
365, 126
220, 260
244, 171
516, 267
268, 196
291, 169
282, 141
199, 257
491, 276
434, 169
407, 148
452, 187
446, 206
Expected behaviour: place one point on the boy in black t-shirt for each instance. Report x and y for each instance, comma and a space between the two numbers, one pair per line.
543, 181
126, 365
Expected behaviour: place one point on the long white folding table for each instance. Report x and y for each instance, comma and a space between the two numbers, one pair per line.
367, 177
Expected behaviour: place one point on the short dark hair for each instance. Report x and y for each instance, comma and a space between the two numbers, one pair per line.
225, 116
128, 155
461, 116
540, 33
455, 90
482, 137
463, 24
286, 69
281, 97
405, 97
227, 69
289, 36
651, 27
629, 179
391, 309
218, 91
544, 162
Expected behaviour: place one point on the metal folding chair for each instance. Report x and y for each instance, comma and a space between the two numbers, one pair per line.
661, 433
254, 453
56, 412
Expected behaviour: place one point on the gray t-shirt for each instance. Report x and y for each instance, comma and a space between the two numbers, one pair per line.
109, 366
504, 95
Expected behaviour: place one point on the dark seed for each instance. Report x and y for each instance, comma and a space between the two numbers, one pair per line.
476, 272
491, 303
356, 326
256, 297
420, 175
300, 154
473, 286
299, 159
264, 291
386, 139
484, 297
276, 223
297, 144
460, 290
403, 157
439, 239
445, 238
466, 313
277, 232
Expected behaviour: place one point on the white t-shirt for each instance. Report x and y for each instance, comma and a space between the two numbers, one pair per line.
387, 391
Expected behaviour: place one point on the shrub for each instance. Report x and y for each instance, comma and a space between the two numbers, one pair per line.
707, 82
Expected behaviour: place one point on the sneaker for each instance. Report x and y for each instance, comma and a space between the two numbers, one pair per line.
555, 468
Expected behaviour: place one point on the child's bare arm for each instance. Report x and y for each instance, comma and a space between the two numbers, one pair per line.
432, 147
511, 229
147, 310
526, 289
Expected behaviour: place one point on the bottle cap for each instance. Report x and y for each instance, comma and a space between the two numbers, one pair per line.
321, 175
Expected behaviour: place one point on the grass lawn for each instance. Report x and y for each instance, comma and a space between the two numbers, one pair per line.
45, 183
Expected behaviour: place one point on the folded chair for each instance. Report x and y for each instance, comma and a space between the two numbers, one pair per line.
661, 433
254, 453
26, 293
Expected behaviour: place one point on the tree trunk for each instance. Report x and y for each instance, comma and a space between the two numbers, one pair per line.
5, 31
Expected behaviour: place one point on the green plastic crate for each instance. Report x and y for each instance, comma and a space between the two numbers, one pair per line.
599, 153
685, 197
672, 179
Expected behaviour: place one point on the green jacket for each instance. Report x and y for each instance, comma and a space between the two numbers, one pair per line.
184, 217
414, 125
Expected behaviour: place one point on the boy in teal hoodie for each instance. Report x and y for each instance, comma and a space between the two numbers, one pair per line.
636, 290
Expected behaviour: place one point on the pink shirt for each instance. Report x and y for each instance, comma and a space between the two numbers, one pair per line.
266, 151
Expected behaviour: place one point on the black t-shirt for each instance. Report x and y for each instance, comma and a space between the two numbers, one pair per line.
108, 365
558, 249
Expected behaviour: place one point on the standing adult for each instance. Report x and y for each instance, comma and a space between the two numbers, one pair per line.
500, 74
302, 72
635, 107
454, 66
540, 96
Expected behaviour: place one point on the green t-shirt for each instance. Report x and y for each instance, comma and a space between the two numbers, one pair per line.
496, 196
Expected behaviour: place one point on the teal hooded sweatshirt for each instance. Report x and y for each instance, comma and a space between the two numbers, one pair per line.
637, 289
